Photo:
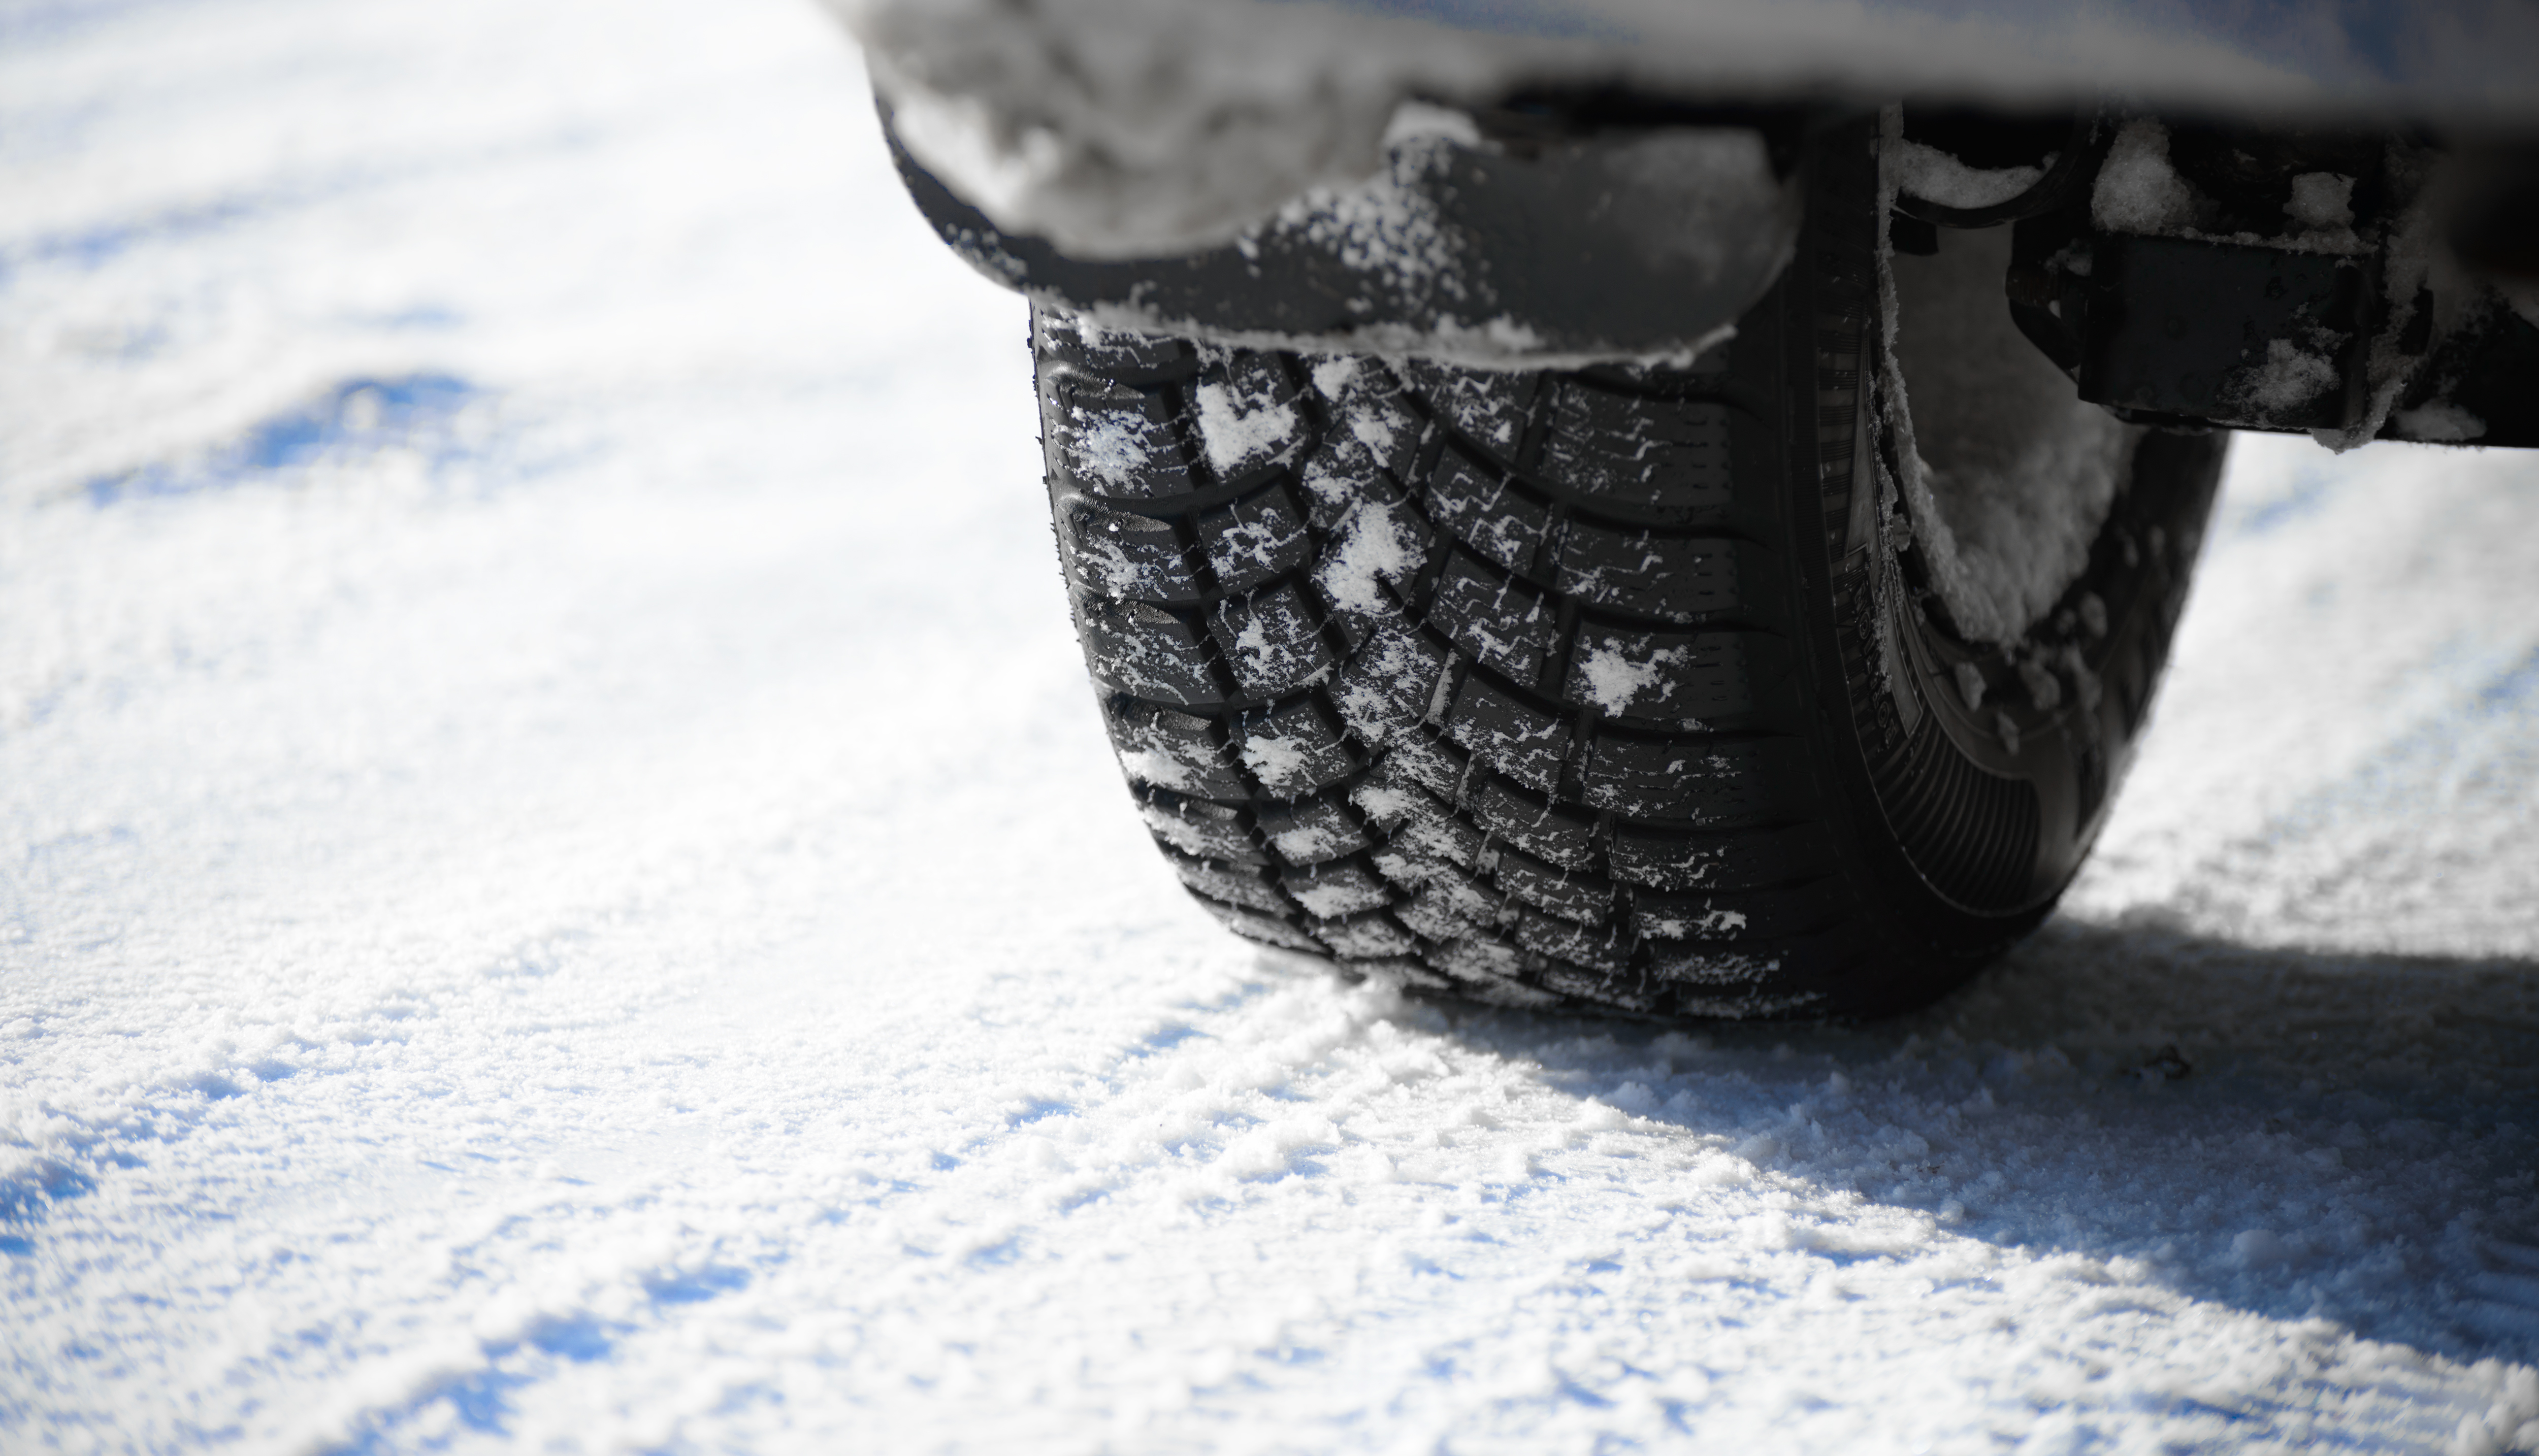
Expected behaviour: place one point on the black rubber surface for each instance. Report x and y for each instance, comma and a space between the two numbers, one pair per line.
1612, 689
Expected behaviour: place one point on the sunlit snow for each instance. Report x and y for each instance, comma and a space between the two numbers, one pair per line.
563, 888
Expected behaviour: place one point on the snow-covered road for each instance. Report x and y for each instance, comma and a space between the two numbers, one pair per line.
560, 887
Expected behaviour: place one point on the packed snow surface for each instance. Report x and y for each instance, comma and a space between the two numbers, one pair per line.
564, 890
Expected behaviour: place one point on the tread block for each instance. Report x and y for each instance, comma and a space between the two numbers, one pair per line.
1174, 750
1514, 737
1369, 937
1415, 821
1483, 510
1379, 547
1670, 859
1703, 781
1117, 440
1126, 556
1310, 832
1273, 640
1480, 957
1200, 829
1672, 679
1711, 965
1407, 971
1562, 835
1389, 683
1741, 916
1487, 406
1430, 761
1255, 540
1669, 456
1236, 885
1630, 992
1608, 950
1267, 929
1295, 749
1372, 435
1147, 650
1391, 798
1329, 892
1584, 898
1415, 864
1493, 617
1114, 354
1244, 408
1397, 802
1448, 838
1650, 574
1450, 906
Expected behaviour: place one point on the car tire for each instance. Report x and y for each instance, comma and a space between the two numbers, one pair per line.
1622, 689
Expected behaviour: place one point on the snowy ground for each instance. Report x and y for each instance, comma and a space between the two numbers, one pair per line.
560, 887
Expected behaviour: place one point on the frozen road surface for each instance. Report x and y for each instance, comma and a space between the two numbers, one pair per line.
560, 887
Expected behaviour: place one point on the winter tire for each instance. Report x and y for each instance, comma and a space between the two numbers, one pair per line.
1623, 689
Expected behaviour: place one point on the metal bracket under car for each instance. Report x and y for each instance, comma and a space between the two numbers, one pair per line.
2256, 299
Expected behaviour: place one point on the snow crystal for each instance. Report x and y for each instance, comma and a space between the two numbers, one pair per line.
2440, 421
1309, 843
1386, 225
1377, 542
1689, 926
1616, 682
1275, 757
2137, 190
1155, 767
1934, 175
2045, 694
2321, 200
1110, 449
1333, 373
2093, 614
1970, 685
2290, 377
1237, 428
